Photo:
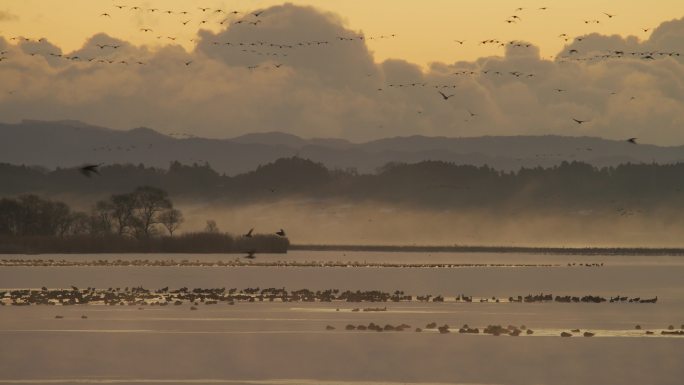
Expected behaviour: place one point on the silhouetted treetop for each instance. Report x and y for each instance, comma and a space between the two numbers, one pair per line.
430, 183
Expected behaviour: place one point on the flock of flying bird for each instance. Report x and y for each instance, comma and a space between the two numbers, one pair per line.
206, 16
516, 18
236, 18
250, 253
279, 49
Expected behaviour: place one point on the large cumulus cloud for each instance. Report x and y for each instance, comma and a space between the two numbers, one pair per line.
302, 71
7, 16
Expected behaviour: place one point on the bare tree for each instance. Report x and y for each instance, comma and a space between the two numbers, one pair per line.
62, 218
122, 211
102, 218
171, 219
150, 202
211, 227
83, 224
10, 216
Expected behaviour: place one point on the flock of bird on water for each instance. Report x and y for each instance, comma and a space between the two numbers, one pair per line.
138, 296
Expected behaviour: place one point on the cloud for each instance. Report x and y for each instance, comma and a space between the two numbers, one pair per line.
299, 37
301, 71
7, 16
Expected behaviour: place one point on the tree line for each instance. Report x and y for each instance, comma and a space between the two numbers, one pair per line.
143, 220
143, 213
429, 183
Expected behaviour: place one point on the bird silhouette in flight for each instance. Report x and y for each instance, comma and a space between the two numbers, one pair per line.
249, 233
187, 63
632, 140
460, 41
580, 122
609, 15
444, 96
90, 169
258, 13
105, 14
281, 233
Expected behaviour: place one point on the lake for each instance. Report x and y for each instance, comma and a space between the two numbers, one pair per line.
287, 343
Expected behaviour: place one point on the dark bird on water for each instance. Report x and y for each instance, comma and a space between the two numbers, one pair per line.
250, 254
632, 140
249, 233
281, 233
90, 169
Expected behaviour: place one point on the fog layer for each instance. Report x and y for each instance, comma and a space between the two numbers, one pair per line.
329, 222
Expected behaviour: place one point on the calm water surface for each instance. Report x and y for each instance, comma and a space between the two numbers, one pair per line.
286, 343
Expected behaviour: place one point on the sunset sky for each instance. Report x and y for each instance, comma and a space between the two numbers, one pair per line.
174, 71
426, 31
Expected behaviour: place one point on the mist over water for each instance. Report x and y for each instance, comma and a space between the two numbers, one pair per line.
309, 221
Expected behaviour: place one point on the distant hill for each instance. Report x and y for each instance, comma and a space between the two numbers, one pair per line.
71, 143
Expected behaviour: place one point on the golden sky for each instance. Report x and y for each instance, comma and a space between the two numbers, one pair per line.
425, 30
340, 92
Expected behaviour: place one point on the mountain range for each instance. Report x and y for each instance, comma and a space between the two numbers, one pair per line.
64, 144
